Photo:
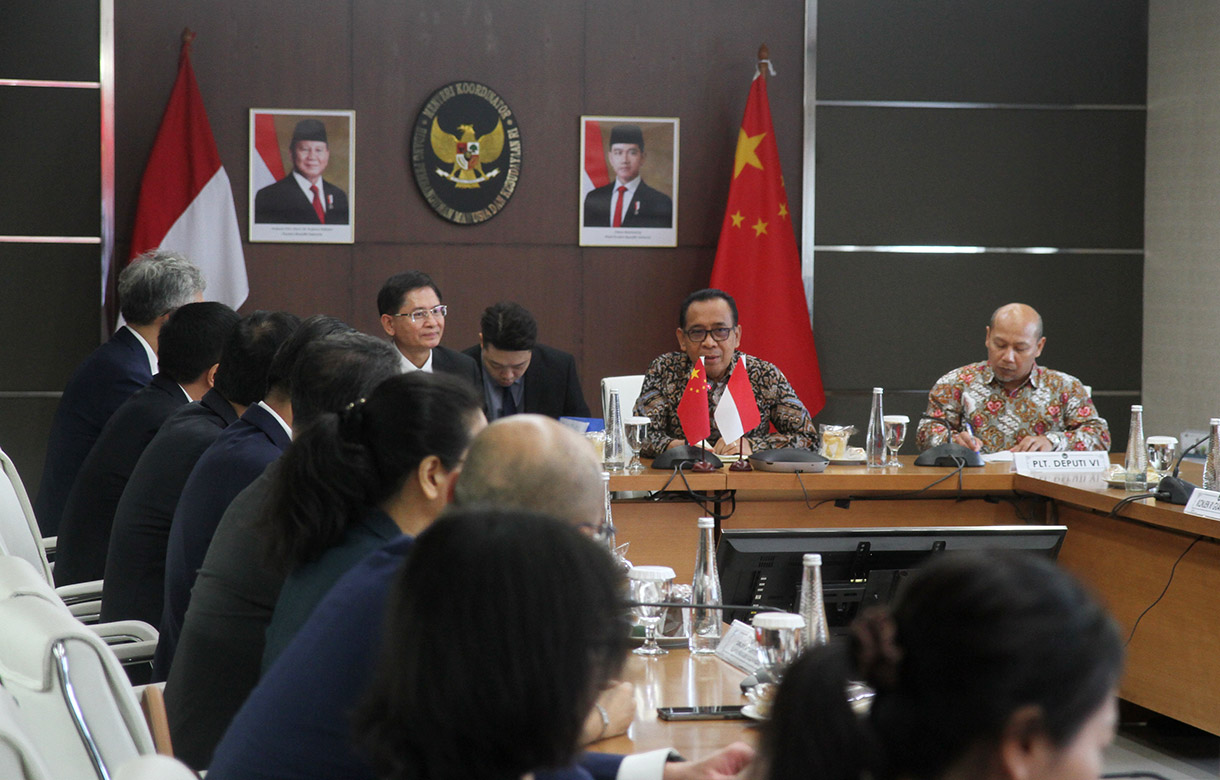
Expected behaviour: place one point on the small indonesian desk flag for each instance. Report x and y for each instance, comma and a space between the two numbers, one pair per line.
693, 410
737, 413
186, 201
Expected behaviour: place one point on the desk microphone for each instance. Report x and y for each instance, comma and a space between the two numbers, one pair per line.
948, 454
1173, 488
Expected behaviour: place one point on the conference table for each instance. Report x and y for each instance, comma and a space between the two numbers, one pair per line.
1129, 559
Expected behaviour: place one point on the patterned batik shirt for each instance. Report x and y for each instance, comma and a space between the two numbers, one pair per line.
1050, 403
778, 405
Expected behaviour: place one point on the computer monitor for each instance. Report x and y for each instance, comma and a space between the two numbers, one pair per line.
860, 566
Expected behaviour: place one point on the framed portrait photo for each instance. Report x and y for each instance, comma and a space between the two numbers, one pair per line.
302, 175
628, 181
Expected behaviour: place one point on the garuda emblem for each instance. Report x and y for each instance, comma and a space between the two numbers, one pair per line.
467, 154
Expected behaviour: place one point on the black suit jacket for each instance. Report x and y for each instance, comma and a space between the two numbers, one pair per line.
649, 208
551, 384
451, 361
285, 203
108, 377
135, 566
84, 531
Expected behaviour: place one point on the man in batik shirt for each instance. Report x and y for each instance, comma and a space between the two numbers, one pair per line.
708, 328
1009, 402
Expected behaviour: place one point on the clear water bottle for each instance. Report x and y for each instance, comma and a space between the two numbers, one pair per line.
1136, 464
705, 624
1211, 469
616, 435
605, 532
813, 604
874, 442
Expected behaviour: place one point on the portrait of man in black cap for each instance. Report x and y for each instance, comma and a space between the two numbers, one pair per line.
627, 201
303, 197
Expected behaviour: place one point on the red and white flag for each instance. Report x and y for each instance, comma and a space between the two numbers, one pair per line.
593, 173
186, 201
268, 166
693, 407
737, 413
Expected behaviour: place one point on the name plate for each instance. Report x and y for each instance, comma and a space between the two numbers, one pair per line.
1204, 503
1059, 462
739, 648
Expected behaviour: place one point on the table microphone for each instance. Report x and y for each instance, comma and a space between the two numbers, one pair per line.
1174, 489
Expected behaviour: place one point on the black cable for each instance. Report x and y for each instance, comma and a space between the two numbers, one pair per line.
1141, 775
1128, 500
887, 496
692, 495
1135, 625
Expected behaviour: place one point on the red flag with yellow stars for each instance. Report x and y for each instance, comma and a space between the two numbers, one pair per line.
693, 408
757, 260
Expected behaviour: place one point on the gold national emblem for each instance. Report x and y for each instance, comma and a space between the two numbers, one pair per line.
466, 152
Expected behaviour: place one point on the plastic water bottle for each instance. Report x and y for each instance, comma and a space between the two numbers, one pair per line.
705, 624
1136, 464
1211, 469
813, 604
616, 435
874, 442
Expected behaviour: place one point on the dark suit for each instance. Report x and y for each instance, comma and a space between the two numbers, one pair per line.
220, 646
551, 384
448, 361
135, 566
296, 724
237, 457
84, 531
648, 209
285, 203
107, 378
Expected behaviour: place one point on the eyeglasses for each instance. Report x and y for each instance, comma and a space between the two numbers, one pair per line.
697, 335
419, 315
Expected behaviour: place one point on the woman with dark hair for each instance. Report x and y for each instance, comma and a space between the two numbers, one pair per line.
501, 629
987, 666
353, 481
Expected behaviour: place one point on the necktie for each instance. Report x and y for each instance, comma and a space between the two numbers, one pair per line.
507, 404
618, 208
317, 205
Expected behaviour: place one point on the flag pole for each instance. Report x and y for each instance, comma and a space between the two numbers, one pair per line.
764, 59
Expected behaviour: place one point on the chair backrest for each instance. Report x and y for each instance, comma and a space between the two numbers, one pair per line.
18, 577
628, 388
155, 768
66, 680
19, 533
19, 759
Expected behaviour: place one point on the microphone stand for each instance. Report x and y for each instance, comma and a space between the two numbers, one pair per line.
1173, 489
742, 463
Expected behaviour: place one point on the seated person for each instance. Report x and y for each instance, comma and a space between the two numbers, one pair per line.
519, 374
988, 666
355, 480
545, 603
708, 328
1009, 402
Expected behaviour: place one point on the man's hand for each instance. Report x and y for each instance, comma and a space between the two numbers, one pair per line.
723, 448
618, 701
1034, 444
966, 440
721, 765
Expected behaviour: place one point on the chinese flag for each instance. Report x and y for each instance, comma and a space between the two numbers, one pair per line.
757, 261
693, 408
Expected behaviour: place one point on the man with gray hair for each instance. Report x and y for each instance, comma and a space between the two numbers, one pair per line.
296, 724
150, 289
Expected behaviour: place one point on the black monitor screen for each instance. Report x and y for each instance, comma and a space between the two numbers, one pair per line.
860, 566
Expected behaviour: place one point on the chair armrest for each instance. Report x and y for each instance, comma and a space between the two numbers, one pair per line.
79, 592
49, 545
131, 641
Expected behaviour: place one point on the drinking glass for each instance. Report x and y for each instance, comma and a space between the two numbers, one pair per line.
1162, 451
637, 432
895, 432
779, 636
650, 584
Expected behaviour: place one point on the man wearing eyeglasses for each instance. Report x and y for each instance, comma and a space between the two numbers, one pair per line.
414, 318
708, 329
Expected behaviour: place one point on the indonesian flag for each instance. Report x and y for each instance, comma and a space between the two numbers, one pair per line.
593, 173
693, 408
737, 413
186, 202
268, 166
757, 261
